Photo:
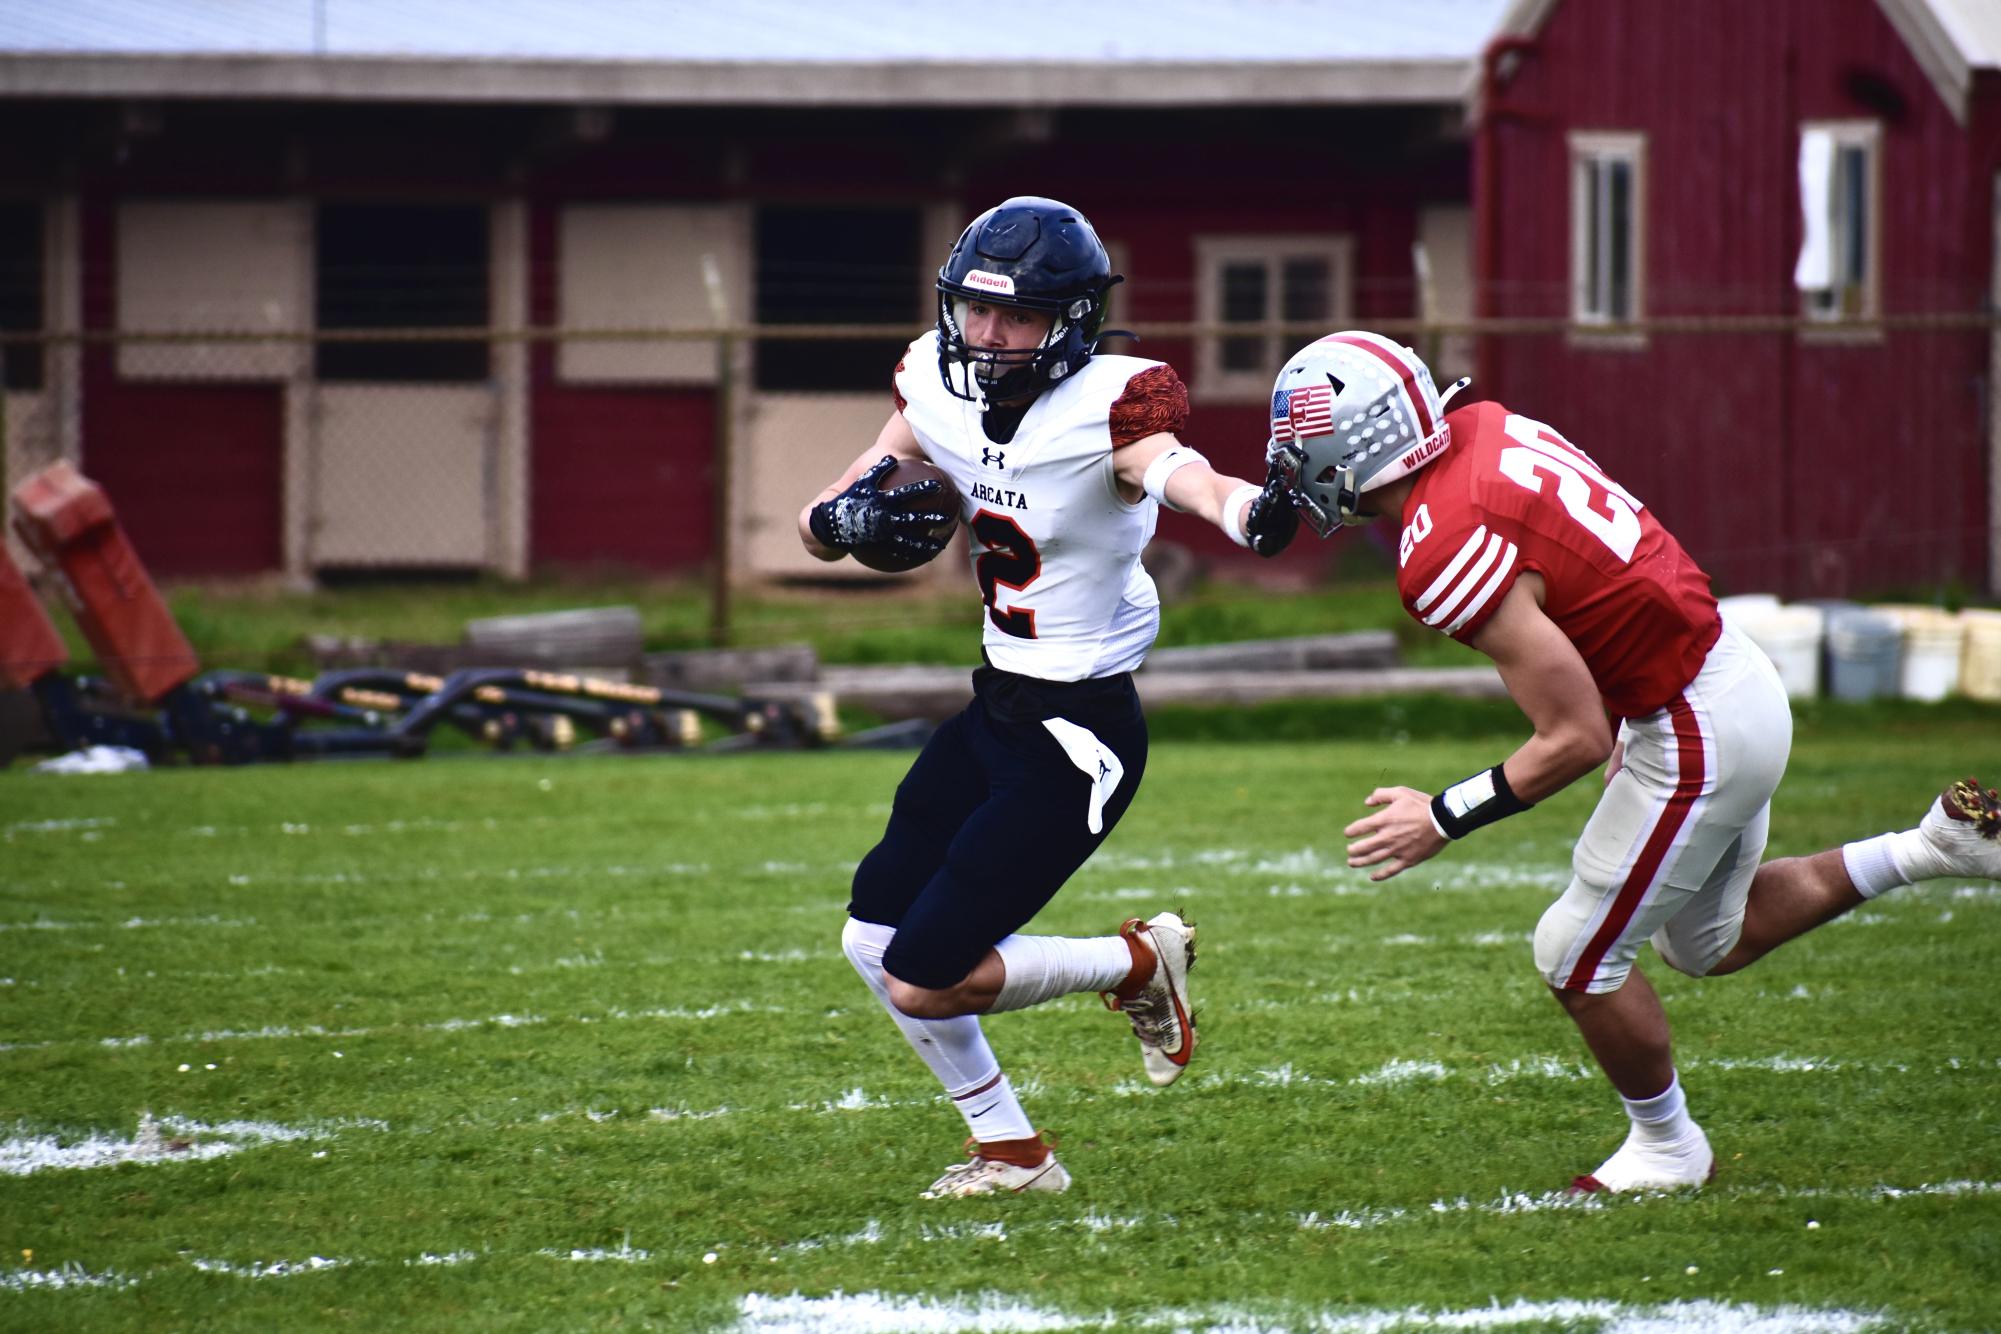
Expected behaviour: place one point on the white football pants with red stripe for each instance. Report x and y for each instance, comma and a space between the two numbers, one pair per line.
1676, 839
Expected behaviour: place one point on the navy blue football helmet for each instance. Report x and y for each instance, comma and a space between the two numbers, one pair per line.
1030, 252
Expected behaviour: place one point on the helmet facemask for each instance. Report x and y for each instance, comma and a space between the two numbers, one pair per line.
998, 375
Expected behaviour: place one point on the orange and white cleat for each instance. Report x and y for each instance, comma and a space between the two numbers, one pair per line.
1162, 1018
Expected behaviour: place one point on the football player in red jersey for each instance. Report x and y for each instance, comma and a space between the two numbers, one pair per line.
1605, 633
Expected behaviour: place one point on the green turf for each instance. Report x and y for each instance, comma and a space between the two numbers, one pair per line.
549, 1031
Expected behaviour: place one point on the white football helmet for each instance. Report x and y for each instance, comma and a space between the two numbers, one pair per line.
1349, 413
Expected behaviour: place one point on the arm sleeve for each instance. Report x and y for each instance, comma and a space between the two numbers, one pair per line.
1154, 401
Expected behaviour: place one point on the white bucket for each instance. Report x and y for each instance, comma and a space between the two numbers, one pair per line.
1790, 637
1932, 642
1980, 656
1865, 654
1740, 608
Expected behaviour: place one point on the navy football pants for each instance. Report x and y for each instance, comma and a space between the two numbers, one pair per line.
990, 821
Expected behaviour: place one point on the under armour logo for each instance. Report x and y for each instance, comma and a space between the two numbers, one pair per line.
992, 458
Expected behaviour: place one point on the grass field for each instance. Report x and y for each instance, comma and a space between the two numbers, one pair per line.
568, 1043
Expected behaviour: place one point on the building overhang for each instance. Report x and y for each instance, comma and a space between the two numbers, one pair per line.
733, 83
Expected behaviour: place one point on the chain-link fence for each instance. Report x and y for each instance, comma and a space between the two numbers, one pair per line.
1803, 455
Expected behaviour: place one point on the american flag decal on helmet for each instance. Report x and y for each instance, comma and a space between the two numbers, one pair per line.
1307, 410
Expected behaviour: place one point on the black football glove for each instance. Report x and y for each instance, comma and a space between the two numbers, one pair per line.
1273, 519
866, 516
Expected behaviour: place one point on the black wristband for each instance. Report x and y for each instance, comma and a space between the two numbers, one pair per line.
820, 519
1472, 802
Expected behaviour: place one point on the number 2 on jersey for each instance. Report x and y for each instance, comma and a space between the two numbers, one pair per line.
1600, 505
1010, 561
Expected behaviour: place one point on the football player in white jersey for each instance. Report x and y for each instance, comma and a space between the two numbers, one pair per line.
1062, 459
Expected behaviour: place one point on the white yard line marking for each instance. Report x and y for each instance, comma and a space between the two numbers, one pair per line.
7, 832
130, 924
159, 1140
1365, 1217
271, 1268
280, 1031
625, 1254
889, 1313
68, 1276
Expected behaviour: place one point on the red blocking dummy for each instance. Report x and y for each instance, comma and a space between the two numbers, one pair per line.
67, 521
30, 646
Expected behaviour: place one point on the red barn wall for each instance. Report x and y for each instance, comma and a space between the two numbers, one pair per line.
617, 475
625, 475
194, 469
1790, 463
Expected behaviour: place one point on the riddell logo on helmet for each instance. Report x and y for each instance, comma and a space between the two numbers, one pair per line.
991, 282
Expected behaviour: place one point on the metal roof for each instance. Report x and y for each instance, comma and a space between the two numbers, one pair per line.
1163, 52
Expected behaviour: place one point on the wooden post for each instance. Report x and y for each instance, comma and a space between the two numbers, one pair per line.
725, 449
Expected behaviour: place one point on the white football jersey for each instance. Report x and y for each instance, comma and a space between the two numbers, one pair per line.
1054, 547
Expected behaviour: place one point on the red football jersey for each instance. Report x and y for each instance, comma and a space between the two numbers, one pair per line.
1512, 495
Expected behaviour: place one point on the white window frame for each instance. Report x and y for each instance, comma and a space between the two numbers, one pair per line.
1847, 295
1215, 382
1594, 263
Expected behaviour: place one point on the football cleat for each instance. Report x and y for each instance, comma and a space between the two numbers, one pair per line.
1639, 1165
990, 1176
1160, 1014
1959, 836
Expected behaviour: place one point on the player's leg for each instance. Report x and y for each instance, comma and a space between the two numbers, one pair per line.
1671, 848
1005, 863
957, 951
1793, 895
943, 787
1070, 779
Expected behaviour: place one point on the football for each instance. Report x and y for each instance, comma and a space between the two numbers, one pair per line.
906, 472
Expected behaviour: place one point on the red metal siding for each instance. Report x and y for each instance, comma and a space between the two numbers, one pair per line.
618, 476
1789, 463
194, 470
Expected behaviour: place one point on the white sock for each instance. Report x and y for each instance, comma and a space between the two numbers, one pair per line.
955, 1049
1916, 859
1041, 968
1663, 1118
992, 1111
1873, 865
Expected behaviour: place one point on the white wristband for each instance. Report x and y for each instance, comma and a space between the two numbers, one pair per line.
1231, 505
1170, 461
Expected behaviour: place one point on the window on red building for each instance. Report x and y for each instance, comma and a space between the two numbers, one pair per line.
21, 309
409, 267
837, 265
1259, 283
1607, 212
1836, 272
